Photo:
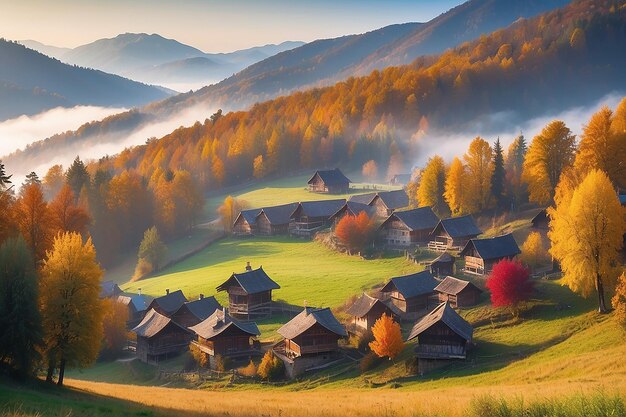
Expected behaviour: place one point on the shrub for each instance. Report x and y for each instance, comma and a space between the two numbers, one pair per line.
143, 269
361, 342
221, 363
271, 367
510, 285
411, 366
355, 232
369, 362
201, 358
249, 370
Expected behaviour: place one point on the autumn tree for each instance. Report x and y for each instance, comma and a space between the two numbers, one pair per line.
53, 181
114, 328
587, 232
258, 167
478, 161
34, 220
514, 186
7, 201
455, 192
20, 321
271, 367
355, 232
432, 185
619, 300
533, 251
549, 154
152, 252
510, 285
70, 304
387, 337
370, 170
229, 211
77, 176
66, 215
498, 176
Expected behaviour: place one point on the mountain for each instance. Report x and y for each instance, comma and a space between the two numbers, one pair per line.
52, 51
31, 82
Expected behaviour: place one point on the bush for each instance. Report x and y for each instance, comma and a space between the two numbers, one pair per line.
271, 367
369, 362
411, 367
221, 363
249, 370
361, 342
201, 358
143, 269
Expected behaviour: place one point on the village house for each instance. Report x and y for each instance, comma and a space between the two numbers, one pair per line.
541, 220
245, 223
274, 220
109, 289
330, 182
482, 254
408, 228
221, 334
458, 293
310, 340
442, 265
312, 216
249, 293
442, 335
385, 202
411, 293
366, 310
193, 312
352, 208
137, 305
168, 303
159, 337
400, 179
453, 233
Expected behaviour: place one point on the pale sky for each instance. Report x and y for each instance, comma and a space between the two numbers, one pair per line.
212, 26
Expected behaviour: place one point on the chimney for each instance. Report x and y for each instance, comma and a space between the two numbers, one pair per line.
139, 291
248, 267
167, 291
306, 313
201, 296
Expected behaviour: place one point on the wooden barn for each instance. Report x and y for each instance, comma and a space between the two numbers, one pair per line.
482, 254
352, 208
193, 312
443, 265
400, 179
453, 233
411, 293
274, 220
385, 202
442, 335
541, 220
366, 310
330, 181
312, 216
168, 303
159, 337
408, 228
137, 305
245, 223
458, 293
249, 293
109, 289
221, 334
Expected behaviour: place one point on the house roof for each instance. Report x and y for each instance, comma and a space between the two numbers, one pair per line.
201, 308
248, 215
412, 285
355, 209
322, 208
446, 314
307, 319
152, 323
362, 198
453, 286
278, 214
251, 282
394, 199
444, 258
171, 302
365, 303
622, 199
494, 247
541, 215
417, 219
139, 301
459, 226
218, 322
331, 177
109, 289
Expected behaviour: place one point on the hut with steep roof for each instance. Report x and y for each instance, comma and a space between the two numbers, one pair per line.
310, 217
442, 265
385, 202
458, 292
482, 254
453, 233
193, 312
411, 293
137, 305
109, 289
352, 208
168, 303
329, 181
366, 310
159, 337
245, 223
408, 228
274, 220
249, 293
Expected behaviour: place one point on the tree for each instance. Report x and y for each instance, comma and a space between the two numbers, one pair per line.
533, 251
114, 328
432, 185
387, 337
229, 211
370, 170
70, 304
152, 249
478, 160
20, 321
53, 181
587, 232
499, 174
77, 176
258, 167
66, 215
271, 367
5, 179
34, 220
456, 188
355, 232
515, 188
510, 285
619, 300
549, 154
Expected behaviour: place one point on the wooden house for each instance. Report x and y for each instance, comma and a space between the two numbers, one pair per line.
411, 293
385, 202
168, 303
221, 334
453, 233
330, 181
193, 312
541, 220
137, 305
366, 310
352, 208
312, 216
482, 254
274, 220
408, 228
442, 335
109, 289
245, 223
159, 337
443, 265
249, 293
400, 179
458, 293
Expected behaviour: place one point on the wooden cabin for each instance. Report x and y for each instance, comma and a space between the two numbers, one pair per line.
385, 202
541, 220
352, 208
408, 228
453, 233
411, 293
193, 312
221, 334
168, 303
137, 305
274, 220
442, 335
458, 293
366, 310
109, 289
482, 254
400, 179
443, 265
330, 182
159, 337
245, 223
249, 293
310, 217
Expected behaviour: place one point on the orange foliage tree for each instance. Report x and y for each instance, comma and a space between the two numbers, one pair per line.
34, 220
355, 232
387, 337
114, 325
66, 215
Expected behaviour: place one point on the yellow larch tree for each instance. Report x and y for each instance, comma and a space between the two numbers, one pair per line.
533, 251
479, 163
619, 299
455, 192
229, 211
431, 186
387, 337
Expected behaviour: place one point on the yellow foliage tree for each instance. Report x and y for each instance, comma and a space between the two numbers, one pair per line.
71, 308
619, 299
455, 192
229, 211
114, 325
533, 251
431, 186
479, 162
387, 337
587, 232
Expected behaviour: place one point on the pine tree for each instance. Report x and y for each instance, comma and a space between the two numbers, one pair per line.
5, 179
77, 176
516, 191
499, 174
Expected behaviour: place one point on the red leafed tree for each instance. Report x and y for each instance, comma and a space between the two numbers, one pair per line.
355, 232
510, 285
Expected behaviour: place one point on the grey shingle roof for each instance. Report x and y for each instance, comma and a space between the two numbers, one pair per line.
252, 282
171, 302
453, 286
278, 214
394, 199
353, 208
322, 208
139, 301
365, 303
109, 289
412, 285
331, 177
362, 198
307, 318
201, 308
152, 323
218, 322
443, 258
494, 247
459, 226
417, 219
249, 215
446, 314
